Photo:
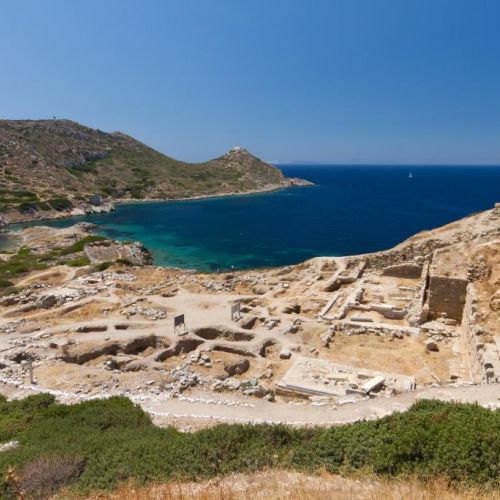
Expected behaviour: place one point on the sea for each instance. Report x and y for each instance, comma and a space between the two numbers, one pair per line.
352, 209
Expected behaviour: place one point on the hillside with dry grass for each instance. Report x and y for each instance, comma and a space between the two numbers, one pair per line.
54, 165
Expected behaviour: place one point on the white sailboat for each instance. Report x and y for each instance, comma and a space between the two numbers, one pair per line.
410, 176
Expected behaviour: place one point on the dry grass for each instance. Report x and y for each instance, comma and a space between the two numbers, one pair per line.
44, 476
274, 485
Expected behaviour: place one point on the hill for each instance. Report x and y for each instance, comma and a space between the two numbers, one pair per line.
52, 166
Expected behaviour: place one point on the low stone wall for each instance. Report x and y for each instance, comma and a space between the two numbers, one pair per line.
418, 311
483, 358
447, 296
469, 331
386, 310
409, 253
351, 301
381, 329
345, 276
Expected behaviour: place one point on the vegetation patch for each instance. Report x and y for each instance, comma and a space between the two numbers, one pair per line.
116, 441
60, 204
80, 244
24, 261
21, 262
102, 266
79, 261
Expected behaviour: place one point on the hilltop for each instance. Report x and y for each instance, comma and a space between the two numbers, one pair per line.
49, 167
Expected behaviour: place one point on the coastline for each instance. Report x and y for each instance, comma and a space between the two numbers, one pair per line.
125, 201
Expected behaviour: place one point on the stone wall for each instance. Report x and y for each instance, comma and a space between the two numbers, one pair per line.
407, 253
471, 338
407, 270
351, 301
346, 276
380, 329
418, 311
446, 296
386, 310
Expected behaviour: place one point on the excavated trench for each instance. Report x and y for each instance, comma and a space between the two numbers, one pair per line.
222, 333
182, 346
134, 346
234, 350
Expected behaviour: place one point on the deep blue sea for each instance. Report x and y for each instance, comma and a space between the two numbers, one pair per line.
351, 210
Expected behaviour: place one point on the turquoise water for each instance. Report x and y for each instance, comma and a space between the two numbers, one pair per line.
353, 209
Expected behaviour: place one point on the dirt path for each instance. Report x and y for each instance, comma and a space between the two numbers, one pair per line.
210, 409
303, 414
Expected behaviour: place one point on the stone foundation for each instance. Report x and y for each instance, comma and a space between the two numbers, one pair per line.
446, 297
483, 357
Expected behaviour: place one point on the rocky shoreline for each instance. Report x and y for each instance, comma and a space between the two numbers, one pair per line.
110, 205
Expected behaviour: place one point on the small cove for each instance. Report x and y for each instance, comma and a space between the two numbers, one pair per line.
351, 210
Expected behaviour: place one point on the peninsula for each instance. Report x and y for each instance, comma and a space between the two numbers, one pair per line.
55, 168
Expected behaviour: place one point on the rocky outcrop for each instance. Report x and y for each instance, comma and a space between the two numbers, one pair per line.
135, 253
296, 182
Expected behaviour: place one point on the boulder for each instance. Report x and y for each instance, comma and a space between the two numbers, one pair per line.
292, 309
237, 368
248, 322
374, 384
46, 301
285, 354
95, 199
431, 346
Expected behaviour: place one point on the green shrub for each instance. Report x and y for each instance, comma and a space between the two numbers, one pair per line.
60, 204
80, 244
24, 208
102, 266
24, 251
114, 440
79, 261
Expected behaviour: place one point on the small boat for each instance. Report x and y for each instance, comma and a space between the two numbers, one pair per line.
410, 176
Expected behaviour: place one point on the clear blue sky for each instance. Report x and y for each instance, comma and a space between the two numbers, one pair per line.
408, 81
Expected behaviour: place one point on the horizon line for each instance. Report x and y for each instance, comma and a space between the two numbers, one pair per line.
379, 164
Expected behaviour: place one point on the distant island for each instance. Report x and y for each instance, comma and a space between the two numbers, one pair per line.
53, 168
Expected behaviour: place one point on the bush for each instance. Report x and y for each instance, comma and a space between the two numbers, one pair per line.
24, 252
79, 262
114, 440
44, 476
26, 208
60, 204
80, 244
102, 266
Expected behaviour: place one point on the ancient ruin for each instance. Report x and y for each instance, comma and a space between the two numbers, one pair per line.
370, 332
